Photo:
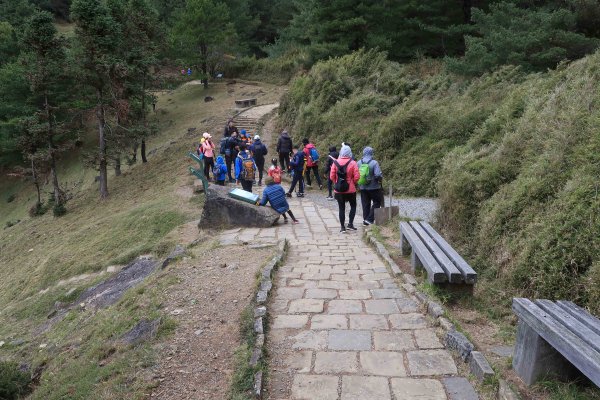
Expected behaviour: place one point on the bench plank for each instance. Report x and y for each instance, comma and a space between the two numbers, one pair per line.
568, 320
469, 274
582, 315
454, 275
573, 348
435, 273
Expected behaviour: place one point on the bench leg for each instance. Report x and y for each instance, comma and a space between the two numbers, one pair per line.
404, 246
415, 262
535, 359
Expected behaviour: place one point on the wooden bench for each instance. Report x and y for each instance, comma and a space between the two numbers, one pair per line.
430, 251
245, 103
200, 172
556, 339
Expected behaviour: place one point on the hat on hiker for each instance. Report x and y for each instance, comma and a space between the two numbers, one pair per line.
345, 151
256, 137
269, 180
206, 135
243, 132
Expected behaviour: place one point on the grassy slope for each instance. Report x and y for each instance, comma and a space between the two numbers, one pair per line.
139, 217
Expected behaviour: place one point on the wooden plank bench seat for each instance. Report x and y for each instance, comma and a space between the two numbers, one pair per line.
245, 103
556, 339
430, 251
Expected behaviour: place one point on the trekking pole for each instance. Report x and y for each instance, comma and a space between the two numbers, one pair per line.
390, 205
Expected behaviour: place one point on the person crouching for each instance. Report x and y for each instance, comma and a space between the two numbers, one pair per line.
275, 196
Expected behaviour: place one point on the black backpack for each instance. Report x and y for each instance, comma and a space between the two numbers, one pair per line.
341, 185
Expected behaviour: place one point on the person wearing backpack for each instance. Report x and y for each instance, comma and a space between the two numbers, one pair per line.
275, 195
369, 182
259, 151
333, 155
208, 149
229, 129
297, 165
284, 149
312, 162
344, 174
220, 171
274, 171
245, 169
231, 153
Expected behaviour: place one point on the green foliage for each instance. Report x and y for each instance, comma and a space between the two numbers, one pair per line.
14, 383
534, 38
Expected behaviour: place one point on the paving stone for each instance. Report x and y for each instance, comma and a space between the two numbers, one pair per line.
343, 277
278, 306
355, 294
427, 339
364, 388
393, 340
503, 351
310, 387
459, 388
459, 342
407, 305
336, 362
327, 321
289, 321
387, 293
332, 285
344, 307
377, 277
321, 294
430, 362
408, 321
479, 366
289, 293
368, 322
364, 285
381, 307
299, 361
301, 283
310, 340
383, 363
306, 306
417, 389
349, 340
318, 276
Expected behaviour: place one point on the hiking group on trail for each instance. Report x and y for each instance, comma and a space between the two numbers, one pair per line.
241, 160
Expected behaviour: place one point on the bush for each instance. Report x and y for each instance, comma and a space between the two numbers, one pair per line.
38, 209
14, 383
59, 210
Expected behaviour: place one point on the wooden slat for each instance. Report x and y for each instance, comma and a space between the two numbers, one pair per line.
435, 273
469, 274
573, 348
454, 275
572, 323
582, 315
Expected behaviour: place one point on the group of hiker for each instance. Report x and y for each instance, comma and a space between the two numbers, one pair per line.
241, 160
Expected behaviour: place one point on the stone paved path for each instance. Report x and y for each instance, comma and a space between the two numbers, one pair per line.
340, 326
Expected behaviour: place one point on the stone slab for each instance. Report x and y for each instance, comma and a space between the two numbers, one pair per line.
338, 362
306, 306
408, 321
381, 307
393, 340
382, 363
344, 307
349, 340
310, 340
299, 361
310, 387
368, 322
479, 366
355, 294
289, 321
388, 293
364, 388
430, 362
459, 388
418, 389
427, 339
327, 321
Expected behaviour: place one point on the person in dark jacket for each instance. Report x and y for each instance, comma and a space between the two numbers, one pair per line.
275, 195
297, 164
371, 193
333, 155
230, 128
231, 152
259, 151
284, 148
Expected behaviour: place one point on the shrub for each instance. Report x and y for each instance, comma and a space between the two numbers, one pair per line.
14, 383
38, 209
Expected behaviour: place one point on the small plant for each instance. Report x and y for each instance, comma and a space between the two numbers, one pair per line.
38, 209
14, 382
10, 198
59, 210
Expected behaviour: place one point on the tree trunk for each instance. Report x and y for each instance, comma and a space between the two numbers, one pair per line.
118, 166
143, 151
135, 149
35, 182
204, 51
57, 194
102, 145
467, 11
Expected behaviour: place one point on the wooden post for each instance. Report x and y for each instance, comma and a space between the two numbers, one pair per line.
390, 205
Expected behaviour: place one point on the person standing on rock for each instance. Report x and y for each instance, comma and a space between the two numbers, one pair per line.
231, 153
245, 169
230, 128
284, 148
259, 151
344, 174
297, 166
312, 162
333, 155
369, 182
208, 149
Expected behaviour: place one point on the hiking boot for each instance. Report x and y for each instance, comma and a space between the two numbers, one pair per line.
288, 195
352, 228
330, 198
307, 185
343, 230
296, 222
299, 194
320, 187
367, 223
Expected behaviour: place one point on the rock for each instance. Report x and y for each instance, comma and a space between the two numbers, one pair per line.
459, 388
198, 186
258, 325
435, 310
503, 351
199, 332
142, 331
177, 311
458, 342
260, 311
208, 98
505, 392
43, 345
222, 211
2, 343
175, 254
17, 342
258, 384
261, 297
111, 269
446, 324
479, 366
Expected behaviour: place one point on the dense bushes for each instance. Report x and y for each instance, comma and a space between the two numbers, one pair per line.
14, 382
513, 157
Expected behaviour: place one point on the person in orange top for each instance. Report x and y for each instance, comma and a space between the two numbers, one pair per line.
344, 174
208, 149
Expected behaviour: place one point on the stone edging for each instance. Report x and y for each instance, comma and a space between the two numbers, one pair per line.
260, 312
453, 340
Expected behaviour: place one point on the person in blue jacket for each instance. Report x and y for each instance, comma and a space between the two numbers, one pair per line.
245, 168
220, 171
275, 196
297, 164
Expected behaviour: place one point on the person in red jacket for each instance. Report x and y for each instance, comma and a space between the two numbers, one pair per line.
344, 174
311, 164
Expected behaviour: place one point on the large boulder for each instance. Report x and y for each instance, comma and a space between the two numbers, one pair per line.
222, 211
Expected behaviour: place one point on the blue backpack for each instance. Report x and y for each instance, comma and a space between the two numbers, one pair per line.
314, 154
